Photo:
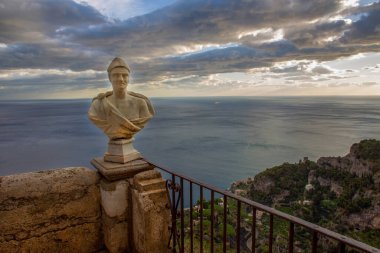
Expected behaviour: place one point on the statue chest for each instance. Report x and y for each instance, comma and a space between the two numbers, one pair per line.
128, 108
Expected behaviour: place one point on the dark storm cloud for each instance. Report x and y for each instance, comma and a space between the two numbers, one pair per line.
366, 30
50, 54
188, 23
229, 59
314, 34
28, 29
196, 22
242, 58
29, 20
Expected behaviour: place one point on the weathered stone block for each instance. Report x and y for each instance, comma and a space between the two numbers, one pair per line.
116, 237
50, 211
149, 212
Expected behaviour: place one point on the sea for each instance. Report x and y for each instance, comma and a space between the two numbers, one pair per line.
216, 140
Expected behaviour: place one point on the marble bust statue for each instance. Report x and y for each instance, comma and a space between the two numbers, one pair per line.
120, 113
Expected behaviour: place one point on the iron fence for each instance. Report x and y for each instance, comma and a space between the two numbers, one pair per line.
188, 239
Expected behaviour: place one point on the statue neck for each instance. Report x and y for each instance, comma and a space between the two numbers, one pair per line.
120, 95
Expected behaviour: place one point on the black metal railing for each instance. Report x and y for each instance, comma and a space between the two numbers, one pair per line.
184, 239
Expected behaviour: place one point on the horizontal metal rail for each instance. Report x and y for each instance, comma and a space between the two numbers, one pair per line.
315, 229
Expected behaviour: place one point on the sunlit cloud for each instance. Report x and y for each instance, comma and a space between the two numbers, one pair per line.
265, 35
125, 9
350, 3
184, 51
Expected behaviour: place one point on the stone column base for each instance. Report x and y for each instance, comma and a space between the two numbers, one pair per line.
115, 214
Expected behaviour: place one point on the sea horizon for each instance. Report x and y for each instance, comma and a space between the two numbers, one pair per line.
217, 140
208, 96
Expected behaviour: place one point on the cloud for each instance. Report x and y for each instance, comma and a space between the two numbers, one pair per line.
28, 83
32, 21
123, 9
317, 34
366, 30
28, 35
51, 78
47, 54
186, 42
164, 32
370, 83
373, 69
321, 70
242, 58
195, 22
264, 32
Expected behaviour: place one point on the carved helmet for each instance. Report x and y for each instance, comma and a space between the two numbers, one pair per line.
117, 63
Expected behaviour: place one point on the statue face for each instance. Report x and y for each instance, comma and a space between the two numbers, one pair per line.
119, 78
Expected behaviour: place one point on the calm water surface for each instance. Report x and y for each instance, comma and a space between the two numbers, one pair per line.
216, 140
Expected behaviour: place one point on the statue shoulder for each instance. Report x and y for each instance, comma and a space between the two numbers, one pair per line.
137, 95
145, 99
98, 107
100, 96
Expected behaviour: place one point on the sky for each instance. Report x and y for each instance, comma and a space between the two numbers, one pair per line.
57, 49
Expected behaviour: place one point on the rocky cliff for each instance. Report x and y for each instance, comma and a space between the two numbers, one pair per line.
339, 193
362, 160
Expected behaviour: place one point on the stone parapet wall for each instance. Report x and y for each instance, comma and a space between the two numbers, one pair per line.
78, 210
51, 211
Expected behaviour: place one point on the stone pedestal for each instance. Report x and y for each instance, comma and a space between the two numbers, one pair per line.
150, 216
121, 151
116, 171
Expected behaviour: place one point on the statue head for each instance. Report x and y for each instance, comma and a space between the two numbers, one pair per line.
118, 74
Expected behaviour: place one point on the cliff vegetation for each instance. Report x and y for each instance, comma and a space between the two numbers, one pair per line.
338, 193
